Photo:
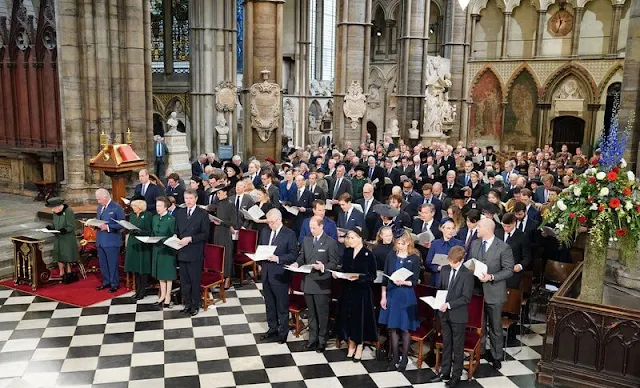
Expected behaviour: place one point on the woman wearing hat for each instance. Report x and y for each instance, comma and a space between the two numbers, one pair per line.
441, 246
356, 322
65, 244
222, 230
137, 257
233, 175
163, 266
358, 182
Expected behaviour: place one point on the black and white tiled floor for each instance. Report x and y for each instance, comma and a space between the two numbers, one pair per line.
119, 343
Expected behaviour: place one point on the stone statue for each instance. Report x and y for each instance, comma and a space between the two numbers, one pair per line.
439, 114
222, 129
289, 118
414, 132
173, 122
432, 119
394, 131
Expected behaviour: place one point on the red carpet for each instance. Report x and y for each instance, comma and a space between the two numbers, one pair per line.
82, 293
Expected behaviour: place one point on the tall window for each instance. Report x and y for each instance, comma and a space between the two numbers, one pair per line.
327, 40
240, 39
180, 36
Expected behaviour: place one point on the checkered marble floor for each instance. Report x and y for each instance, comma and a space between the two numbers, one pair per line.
119, 343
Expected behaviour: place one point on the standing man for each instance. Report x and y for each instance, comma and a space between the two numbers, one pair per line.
192, 227
367, 203
147, 190
458, 281
174, 189
108, 239
497, 255
375, 172
350, 217
519, 243
329, 227
302, 200
321, 251
241, 200
197, 167
276, 279
315, 188
161, 151
273, 190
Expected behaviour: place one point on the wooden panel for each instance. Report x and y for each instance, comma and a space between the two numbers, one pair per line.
21, 104
263, 150
34, 105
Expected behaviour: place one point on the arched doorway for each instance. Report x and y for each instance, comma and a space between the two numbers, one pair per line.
567, 130
372, 130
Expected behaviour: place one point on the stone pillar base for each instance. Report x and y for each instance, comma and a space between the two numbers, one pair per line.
428, 138
178, 158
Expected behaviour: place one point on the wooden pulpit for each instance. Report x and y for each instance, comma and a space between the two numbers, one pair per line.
117, 161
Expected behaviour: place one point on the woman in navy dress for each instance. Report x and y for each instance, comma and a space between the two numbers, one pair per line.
399, 305
356, 321
288, 188
384, 245
441, 246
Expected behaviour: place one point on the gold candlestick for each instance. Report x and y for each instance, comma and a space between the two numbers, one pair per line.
127, 137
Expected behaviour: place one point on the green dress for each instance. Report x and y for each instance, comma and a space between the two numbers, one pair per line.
164, 258
65, 245
358, 186
138, 254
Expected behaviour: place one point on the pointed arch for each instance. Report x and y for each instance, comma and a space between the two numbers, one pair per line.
565, 71
158, 106
602, 88
481, 72
170, 107
394, 9
522, 68
379, 4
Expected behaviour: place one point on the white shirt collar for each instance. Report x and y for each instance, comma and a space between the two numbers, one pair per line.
489, 241
320, 235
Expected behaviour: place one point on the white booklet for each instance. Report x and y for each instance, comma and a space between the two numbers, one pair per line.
438, 301
126, 224
401, 274
388, 181
379, 277
344, 275
375, 181
479, 268
150, 239
329, 204
173, 242
262, 252
423, 237
214, 219
45, 230
291, 209
358, 207
125, 201
302, 269
440, 259
254, 213
95, 223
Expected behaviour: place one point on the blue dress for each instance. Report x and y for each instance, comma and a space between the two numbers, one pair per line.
402, 305
439, 246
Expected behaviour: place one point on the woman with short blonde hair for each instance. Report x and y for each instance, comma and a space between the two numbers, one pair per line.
137, 257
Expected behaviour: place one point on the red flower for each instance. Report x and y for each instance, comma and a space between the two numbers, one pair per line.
621, 232
612, 176
572, 215
592, 179
615, 169
626, 191
638, 209
614, 203
582, 219
601, 208
594, 162
589, 199
575, 180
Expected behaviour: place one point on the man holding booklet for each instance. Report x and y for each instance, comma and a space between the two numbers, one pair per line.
458, 282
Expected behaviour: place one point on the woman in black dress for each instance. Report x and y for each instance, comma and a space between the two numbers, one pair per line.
196, 184
228, 216
384, 245
356, 321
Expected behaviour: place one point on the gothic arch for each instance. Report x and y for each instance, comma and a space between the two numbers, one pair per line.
440, 5
377, 70
171, 105
476, 6
380, 4
581, 74
484, 69
602, 88
523, 67
393, 8
158, 106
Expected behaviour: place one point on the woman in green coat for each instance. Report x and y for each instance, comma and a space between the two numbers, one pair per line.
138, 254
65, 245
164, 258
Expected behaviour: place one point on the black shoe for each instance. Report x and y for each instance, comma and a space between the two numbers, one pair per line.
113, 289
194, 312
184, 310
268, 334
310, 345
496, 364
452, 383
73, 277
321, 348
440, 377
166, 305
139, 297
65, 278
393, 364
282, 340
102, 287
402, 366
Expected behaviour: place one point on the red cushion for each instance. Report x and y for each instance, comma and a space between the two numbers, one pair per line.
241, 258
210, 278
296, 302
422, 330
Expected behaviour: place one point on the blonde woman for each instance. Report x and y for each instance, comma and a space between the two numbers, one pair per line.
455, 213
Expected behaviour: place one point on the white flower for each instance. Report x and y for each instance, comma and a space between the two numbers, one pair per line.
559, 227
604, 191
631, 176
577, 191
628, 205
560, 204
623, 163
601, 175
594, 206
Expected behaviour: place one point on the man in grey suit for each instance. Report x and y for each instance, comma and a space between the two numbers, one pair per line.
242, 200
321, 251
341, 185
160, 150
273, 190
498, 257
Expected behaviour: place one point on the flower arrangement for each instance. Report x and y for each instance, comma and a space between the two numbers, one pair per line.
604, 200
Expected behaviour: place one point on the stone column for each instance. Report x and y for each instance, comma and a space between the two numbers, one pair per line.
475, 18
105, 83
389, 25
353, 47
615, 29
263, 50
542, 16
168, 37
456, 48
630, 93
318, 38
575, 37
505, 35
213, 60
414, 39
303, 44
591, 125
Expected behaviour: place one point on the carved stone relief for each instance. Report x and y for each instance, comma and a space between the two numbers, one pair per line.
355, 103
289, 117
226, 95
265, 107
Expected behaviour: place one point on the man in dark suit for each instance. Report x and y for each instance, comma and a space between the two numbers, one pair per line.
469, 233
426, 222
147, 190
524, 223
197, 167
108, 239
428, 197
412, 197
464, 179
497, 255
391, 172
302, 200
340, 185
253, 171
316, 190
374, 172
450, 186
367, 203
321, 251
405, 168
273, 190
192, 228
241, 200
454, 315
275, 278
349, 217
174, 190
519, 244
160, 151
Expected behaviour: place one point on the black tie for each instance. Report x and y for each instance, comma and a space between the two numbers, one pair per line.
453, 278
521, 227
425, 226
189, 212
273, 237
315, 241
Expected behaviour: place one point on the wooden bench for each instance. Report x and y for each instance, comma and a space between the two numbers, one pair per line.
46, 190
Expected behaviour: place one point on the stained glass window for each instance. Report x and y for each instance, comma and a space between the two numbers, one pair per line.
240, 41
179, 33
157, 36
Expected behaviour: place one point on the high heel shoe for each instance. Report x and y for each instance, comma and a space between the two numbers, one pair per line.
158, 303
166, 305
402, 366
357, 359
393, 363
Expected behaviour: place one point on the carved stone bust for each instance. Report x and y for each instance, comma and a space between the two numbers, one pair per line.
414, 132
222, 129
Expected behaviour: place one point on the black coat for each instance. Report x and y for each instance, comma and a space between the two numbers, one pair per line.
286, 251
370, 218
519, 243
380, 252
197, 227
153, 192
356, 317
177, 193
459, 294
221, 234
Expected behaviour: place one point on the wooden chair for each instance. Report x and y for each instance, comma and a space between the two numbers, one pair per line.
556, 272
247, 243
512, 309
212, 274
296, 301
472, 337
426, 316
526, 286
